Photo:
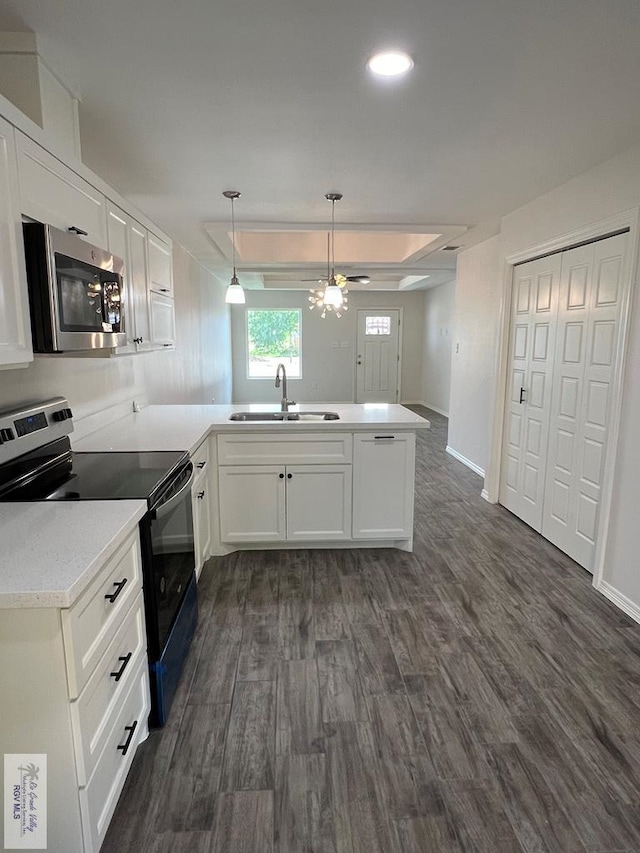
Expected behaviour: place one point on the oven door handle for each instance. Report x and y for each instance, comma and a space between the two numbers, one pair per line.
165, 509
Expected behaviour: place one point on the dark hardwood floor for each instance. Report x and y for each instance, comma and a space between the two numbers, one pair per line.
475, 695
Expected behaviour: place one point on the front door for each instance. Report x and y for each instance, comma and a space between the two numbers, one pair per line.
378, 356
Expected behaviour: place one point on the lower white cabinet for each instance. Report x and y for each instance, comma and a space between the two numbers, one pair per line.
315, 488
383, 485
306, 497
80, 697
202, 505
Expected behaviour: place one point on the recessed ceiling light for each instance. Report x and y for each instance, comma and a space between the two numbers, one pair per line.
390, 63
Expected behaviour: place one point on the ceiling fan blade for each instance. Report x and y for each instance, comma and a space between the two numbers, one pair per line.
359, 279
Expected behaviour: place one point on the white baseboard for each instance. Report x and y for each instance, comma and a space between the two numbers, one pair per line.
484, 494
620, 600
465, 461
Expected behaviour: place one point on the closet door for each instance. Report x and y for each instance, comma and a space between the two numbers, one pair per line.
528, 404
588, 327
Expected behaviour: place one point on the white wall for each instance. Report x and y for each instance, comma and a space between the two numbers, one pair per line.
610, 188
436, 349
328, 373
198, 369
475, 328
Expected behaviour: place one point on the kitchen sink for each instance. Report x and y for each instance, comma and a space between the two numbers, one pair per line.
284, 416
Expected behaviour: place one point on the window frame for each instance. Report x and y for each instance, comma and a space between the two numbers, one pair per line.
247, 339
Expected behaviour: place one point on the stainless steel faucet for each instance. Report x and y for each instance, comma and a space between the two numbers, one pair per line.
285, 402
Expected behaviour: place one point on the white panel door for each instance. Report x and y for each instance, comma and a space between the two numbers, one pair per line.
530, 376
377, 377
588, 325
252, 503
318, 502
383, 478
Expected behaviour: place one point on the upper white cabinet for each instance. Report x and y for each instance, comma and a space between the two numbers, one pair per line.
163, 325
160, 268
50, 192
15, 334
128, 240
383, 482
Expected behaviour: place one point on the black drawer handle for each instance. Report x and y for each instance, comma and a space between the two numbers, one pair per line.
124, 747
201, 495
201, 464
167, 345
78, 231
125, 660
164, 290
111, 596
383, 436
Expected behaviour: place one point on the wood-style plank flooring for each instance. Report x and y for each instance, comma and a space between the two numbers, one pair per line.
475, 695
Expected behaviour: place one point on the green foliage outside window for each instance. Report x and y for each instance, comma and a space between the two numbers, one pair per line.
273, 333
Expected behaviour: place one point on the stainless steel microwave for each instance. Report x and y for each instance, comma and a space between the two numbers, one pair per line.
76, 294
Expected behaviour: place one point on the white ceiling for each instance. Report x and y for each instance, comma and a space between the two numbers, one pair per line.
181, 100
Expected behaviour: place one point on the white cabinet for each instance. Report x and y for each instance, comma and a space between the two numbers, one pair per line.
128, 240
294, 493
52, 193
163, 324
75, 687
202, 505
15, 334
160, 266
383, 485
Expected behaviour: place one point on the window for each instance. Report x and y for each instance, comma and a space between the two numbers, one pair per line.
273, 337
377, 325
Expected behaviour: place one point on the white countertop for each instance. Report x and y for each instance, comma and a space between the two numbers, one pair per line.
185, 427
51, 551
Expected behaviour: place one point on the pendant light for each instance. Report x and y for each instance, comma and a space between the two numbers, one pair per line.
235, 293
333, 296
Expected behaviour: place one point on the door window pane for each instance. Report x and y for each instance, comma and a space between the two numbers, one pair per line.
377, 325
273, 337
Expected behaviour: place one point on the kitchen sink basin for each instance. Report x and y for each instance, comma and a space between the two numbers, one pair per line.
284, 416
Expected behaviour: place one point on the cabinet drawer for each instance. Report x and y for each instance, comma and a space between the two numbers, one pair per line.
98, 800
94, 711
200, 459
52, 193
284, 449
89, 626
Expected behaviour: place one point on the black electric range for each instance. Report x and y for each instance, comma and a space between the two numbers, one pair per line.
37, 464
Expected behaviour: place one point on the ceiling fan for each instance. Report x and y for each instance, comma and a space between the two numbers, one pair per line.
339, 278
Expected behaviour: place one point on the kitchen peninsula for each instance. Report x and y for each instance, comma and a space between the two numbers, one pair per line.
310, 482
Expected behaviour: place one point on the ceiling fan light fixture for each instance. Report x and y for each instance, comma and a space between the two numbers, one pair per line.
235, 293
332, 297
390, 63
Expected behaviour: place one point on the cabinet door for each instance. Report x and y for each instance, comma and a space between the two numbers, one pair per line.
163, 331
15, 334
201, 520
160, 274
118, 243
53, 193
318, 502
139, 280
383, 484
252, 503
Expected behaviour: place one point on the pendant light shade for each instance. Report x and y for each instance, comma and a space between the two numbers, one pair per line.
332, 295
235, 293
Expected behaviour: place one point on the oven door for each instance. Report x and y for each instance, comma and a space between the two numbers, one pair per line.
168, 558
